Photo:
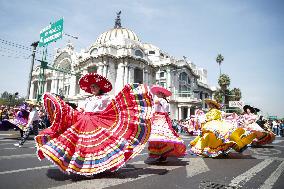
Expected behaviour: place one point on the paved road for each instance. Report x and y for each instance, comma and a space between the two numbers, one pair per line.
255, 168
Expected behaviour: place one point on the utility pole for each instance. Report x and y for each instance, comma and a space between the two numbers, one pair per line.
34, 45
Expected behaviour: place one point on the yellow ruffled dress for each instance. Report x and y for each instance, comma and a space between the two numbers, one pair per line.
219, 136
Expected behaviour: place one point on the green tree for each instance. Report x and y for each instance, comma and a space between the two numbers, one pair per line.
224, 81
236, 94
219, 60
5, 95
218, 95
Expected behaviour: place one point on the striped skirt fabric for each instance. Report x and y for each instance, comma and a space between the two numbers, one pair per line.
90, 143
164, 141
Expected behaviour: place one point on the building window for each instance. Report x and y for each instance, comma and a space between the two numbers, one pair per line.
184, 85
139, 53
162, 74
163, 84
151, 52
161, 54
92, 69
138, 75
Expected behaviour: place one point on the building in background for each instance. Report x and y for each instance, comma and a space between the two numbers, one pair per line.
119, 55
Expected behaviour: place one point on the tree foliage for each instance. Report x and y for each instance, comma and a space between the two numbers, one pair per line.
224, 81
10, 99
236, 94
218, 95
219, 59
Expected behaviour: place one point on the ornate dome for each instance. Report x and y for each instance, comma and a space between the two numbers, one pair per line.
117, 34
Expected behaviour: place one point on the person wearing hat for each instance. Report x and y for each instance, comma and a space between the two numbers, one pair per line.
249, 122
32, 124
218, 136
103, 133
164, 141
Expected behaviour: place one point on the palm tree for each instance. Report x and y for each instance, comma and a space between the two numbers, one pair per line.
218, 95
224, 81
219, 60
237, 94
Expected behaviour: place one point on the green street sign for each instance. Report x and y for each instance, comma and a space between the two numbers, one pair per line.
51, 33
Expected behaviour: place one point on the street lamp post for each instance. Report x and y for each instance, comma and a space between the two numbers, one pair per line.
34, 45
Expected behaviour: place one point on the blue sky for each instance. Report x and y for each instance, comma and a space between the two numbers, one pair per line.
249, 34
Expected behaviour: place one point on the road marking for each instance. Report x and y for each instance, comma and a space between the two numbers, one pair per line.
142, 154
6, 134
101, 183
17, 156
27, 169
266, 151
268, 157
195, 167
14, 141
277, 141
13, 148
268, 184
246, 176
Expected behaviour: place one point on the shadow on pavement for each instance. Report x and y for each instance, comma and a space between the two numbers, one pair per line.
234, 155
262, 146
128, 171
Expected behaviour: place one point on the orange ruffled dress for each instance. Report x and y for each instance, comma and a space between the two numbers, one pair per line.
92, 142
262, 136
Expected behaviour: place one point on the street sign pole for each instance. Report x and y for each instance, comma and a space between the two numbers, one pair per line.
49, 34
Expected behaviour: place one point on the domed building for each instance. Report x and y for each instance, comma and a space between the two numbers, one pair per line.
119, 55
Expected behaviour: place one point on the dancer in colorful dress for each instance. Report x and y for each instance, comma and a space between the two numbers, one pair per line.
164, 141
103, 135
218, 136
248, 121
32, 125
21, 119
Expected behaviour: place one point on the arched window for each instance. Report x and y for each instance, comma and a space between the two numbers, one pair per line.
184, 85
139, 53
151, 52
92, 69
138, 75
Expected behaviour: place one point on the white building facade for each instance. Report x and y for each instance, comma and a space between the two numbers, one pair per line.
119, 55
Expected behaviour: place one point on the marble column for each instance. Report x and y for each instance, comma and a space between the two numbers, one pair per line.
179, 113
72, 91
145, 75
168, 85
100, 69
188, 112
119, 77
131, 74
126, 72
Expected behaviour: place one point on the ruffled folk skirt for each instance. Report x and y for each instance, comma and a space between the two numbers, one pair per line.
90, 143
164, 141
262, 136
220, 137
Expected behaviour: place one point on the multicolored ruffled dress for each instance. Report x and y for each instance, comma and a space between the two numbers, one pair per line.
194, 126
164, 141
21, 119
104, 137
248, 121
219, 136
